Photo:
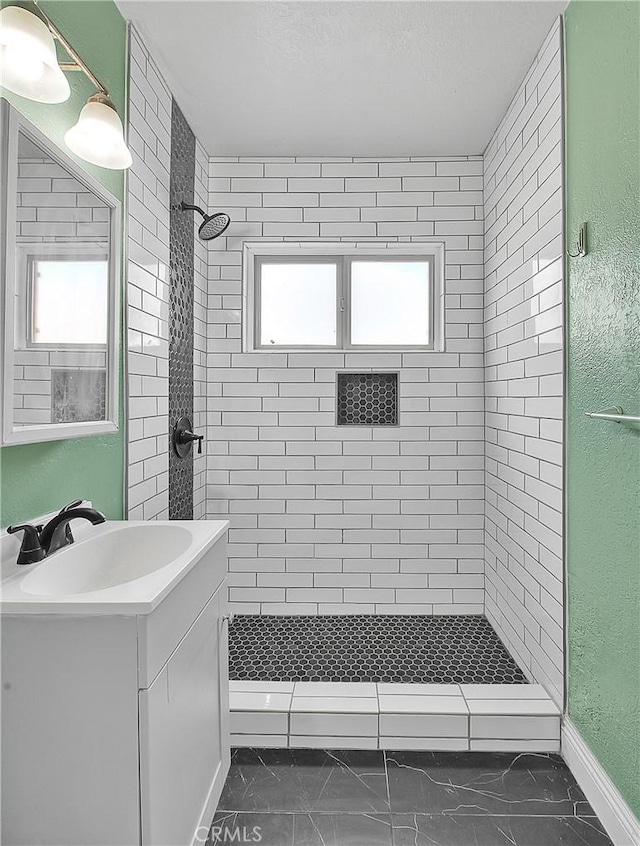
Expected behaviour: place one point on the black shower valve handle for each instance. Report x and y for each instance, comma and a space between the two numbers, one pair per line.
187, 437
192, 437
183, 436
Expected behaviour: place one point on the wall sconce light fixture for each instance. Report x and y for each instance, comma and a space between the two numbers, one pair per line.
29, 67
98, 136
28, 62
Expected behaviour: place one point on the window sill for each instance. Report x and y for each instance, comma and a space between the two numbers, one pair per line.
344, 350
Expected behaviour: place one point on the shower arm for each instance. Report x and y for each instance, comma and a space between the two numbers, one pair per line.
188, 207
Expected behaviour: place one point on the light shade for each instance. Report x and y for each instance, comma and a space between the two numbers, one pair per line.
28, 61
98, 136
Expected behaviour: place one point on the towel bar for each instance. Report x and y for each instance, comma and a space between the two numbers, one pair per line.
615, 414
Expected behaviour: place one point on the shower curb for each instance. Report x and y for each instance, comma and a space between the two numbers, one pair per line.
370, 715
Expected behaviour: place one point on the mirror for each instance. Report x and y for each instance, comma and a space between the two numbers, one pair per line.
61, 271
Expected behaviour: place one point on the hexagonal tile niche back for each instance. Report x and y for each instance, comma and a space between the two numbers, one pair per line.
367, 399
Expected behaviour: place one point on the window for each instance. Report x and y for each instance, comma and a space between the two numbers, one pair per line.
298, 304
69, 302
335, 296
63, 295
390, 302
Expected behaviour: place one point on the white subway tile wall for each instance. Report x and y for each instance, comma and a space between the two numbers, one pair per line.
53, 207
328, 519
148, 294
201, 198
33, 374
147, 287
523, 193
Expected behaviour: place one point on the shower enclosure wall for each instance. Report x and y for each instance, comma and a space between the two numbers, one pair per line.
458, 509
158, 324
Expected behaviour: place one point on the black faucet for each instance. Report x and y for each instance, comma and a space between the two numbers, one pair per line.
38, 541
56, 533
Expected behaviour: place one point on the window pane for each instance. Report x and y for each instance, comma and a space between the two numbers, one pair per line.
298, 304
390, 303
70, 301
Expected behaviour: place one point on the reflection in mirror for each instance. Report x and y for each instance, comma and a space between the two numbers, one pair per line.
62, 249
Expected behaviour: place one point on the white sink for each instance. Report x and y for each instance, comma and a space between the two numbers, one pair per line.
109, 560
115, 567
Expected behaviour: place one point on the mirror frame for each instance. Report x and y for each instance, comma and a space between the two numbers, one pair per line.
12, 122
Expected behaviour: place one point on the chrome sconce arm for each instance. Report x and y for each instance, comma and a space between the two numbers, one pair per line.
78, 64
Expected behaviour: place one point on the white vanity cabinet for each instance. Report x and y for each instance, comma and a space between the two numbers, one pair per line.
115, 725
183, 730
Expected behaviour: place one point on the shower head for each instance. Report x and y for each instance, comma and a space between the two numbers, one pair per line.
212, 225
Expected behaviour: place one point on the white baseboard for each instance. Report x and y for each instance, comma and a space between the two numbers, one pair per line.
616, 816
206, 818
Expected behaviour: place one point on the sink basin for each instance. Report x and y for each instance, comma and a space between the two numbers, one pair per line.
123, 567
108, 560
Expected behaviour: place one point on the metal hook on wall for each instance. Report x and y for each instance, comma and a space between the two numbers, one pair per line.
581, 245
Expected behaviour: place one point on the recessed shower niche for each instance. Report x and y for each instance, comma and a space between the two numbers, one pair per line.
367, 399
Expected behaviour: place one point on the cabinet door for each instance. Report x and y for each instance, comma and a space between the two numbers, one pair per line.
184, 745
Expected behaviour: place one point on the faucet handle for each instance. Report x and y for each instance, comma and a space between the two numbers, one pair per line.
31, 549
69, 505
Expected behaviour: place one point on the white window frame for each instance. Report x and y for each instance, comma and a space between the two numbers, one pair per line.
27, 253
257, 253
12, 123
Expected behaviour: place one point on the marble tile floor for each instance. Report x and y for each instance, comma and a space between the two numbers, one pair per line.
303, 797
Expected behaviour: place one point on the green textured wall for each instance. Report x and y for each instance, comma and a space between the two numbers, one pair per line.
603, 481
37, 478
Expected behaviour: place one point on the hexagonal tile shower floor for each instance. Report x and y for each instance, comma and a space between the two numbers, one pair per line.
460, 649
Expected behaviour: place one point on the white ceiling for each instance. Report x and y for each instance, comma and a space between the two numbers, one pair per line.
343, 77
